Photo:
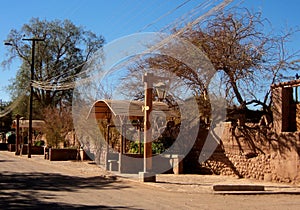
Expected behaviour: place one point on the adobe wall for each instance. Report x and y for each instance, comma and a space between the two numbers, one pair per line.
269, 167
268, 152
62, 154
280, 163
298, 116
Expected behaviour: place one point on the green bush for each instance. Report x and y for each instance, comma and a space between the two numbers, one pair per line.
39, 143
134, 147
157, 147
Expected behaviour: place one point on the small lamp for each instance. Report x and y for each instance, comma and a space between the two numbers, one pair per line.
161, 90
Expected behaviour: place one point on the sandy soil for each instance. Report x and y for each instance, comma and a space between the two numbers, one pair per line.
37, 183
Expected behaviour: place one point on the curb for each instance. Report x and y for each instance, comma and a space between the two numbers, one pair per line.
238, 187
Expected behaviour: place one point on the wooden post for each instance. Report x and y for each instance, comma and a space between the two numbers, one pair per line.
121, 149
17, 134
147, 175
139, 136
107, 147
147, 125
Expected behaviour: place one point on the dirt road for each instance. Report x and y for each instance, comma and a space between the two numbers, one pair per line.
40, 184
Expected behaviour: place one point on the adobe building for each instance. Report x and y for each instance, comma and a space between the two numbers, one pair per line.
268, 150
286, 106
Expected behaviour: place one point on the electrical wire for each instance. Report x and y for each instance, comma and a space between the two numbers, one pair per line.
13, 105
69, 82
164, 15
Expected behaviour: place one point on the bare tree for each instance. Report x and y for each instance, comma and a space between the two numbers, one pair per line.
247, 58
58, 123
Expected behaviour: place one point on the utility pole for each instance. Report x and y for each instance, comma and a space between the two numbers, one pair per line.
33, 40
1, 127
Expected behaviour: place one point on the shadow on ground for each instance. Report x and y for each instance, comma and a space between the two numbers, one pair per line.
33, 190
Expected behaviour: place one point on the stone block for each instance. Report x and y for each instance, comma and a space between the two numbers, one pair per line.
147, 177
238, 188
62, 154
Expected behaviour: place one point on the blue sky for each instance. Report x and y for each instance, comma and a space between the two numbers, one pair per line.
116, 18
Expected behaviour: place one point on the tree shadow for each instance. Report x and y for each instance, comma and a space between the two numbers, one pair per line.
1, 161
35, 190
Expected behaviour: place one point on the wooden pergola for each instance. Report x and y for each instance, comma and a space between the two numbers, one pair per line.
103, 109
119, 112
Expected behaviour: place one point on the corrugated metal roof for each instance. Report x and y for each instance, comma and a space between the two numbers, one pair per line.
101, 109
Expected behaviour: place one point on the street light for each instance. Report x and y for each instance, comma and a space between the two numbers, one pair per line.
33, 41
147, 175
160, 90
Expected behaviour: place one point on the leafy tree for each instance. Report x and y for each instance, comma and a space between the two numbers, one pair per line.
57, 59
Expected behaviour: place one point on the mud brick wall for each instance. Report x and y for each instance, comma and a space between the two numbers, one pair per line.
298, 116
242, 166
270, 167
280, 163
278, 156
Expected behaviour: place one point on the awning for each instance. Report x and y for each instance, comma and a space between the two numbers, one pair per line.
25, 123
103, 109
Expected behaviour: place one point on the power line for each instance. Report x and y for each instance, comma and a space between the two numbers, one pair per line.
165, 15
46, 85
13, 105
70, 81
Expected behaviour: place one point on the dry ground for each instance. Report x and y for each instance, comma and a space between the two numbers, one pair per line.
37, 184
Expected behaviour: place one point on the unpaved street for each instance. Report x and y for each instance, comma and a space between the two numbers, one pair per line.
40, 184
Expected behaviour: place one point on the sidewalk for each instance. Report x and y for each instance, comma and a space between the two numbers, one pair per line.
190, 183
205, 183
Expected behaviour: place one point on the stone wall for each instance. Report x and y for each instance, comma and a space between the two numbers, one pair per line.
278, 161
263, 151
270, 167
241, 166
